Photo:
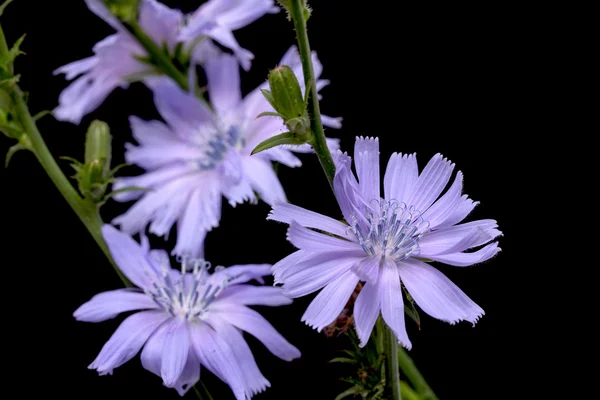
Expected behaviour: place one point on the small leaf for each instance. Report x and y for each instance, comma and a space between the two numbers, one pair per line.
15, 50
41, 115
343, 360
71, 159
278, 140
11, 151
8, 82
269, 96
3, 6
352, 391
268, 114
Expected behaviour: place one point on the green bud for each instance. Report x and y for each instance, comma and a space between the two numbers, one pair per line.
125, 10
98, 147
286, 92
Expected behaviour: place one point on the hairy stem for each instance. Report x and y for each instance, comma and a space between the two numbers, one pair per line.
318, 142
392, 374
414, 376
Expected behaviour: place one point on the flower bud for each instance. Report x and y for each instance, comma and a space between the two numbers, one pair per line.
98, 150
287, 96
125, 10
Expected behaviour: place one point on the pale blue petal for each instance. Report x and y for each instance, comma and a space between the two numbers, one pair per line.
128, 255
255, 324
312, 241
216, 355
244, 273
368, 269
436, 294
366, 161
431, 183
467, 259
458, 238
149, 180
175, 351
108, 305
446, 205
160, 22
127, 340
263, 180
366, 310
284, 212
464, 208
392, 305
330, 302
250, 295
400, 177
223, 77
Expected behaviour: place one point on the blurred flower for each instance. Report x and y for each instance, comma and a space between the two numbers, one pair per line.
201, 154
385, 243
186, 319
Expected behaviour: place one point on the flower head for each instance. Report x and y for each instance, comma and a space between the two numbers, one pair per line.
385, 243
186, 318
203, 153
117, 59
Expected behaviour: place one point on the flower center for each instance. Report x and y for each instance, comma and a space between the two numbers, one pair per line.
187, 294
216, 146
392, 230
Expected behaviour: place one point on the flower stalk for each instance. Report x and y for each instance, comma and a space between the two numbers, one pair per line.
411, 372
392, 374
319, 143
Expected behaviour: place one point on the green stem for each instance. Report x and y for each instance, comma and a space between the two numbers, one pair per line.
206, 395
86, 211
414, 376
158, 56
392, 374
319, 142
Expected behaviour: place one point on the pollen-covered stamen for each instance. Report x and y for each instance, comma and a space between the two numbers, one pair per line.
393, 230
187, 294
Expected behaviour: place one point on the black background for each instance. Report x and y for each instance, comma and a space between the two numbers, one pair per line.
426, 80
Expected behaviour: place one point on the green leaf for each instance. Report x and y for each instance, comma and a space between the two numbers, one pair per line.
278, 140
3, 6
343, 360
268, 114
41, 115
15, 51
352, 391
11, 81
269, 96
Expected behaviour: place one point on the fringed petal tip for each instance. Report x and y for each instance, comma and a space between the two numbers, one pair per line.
367, 139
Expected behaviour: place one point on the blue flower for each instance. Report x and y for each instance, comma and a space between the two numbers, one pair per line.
186, 319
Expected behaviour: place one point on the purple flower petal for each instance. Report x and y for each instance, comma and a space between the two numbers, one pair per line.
160, 22
225, 37
190, 374
284, 212
249, 295
127, 340
330, 302
128, 256
335, 123
263, 179
223, 77
346, 189
366, 161
318, 270
366, 310
151, 355
392, 305
368, 269
431, 182
175, 351
467, 259
312, 241
464, 208
446, 205
216, 355
458, 238
183, 111
400, 176
149, 180
436, 294
108, 305
98, 8
255, 324
285, 266
244, 273
254, 381
202, 213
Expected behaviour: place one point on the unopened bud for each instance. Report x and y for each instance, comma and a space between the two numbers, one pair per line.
287, 96
125, 10
98, 147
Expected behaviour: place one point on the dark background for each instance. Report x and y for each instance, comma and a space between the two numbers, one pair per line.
426, 80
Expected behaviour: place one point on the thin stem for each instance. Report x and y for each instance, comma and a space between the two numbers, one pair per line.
319, 142
206, 395
414, 376
392, 374
158, 56
86, 211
